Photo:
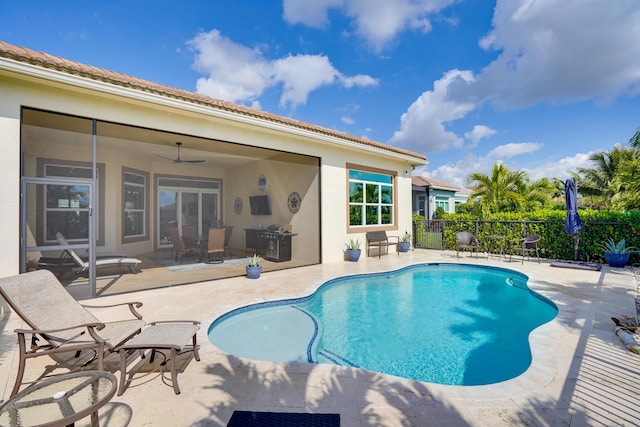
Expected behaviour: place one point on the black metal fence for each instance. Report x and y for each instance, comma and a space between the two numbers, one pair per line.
555, 243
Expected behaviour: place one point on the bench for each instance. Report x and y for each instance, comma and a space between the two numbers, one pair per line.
379, 239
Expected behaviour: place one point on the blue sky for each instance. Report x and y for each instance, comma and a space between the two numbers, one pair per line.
538, 85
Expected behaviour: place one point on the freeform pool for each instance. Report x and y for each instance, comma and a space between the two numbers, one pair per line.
440, 323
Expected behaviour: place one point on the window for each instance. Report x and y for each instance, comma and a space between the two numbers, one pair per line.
66, 207
442, 202
135, 205
371, 198
421, 202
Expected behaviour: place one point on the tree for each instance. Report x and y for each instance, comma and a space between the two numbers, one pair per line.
498, 192
597, 183
635, 140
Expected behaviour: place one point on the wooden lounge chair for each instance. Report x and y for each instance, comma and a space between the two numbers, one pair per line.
380, 240
467, 241
58, 324
82, 266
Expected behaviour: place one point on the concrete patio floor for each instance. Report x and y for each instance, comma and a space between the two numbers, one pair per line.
581, 373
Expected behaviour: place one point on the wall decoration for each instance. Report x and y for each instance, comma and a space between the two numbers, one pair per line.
237, 205
262, 183
293, 202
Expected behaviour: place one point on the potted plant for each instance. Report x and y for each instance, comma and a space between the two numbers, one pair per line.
254, 266
353, 250
616, 254
405, 242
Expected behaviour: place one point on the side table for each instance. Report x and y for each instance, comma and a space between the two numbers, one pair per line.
492, 239
60, 401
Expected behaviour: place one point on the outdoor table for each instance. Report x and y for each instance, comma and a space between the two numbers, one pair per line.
494, 239
60, 401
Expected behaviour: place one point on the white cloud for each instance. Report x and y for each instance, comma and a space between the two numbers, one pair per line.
347, 120
556, 51
456, 173
479, 132
513, 149
422, 126
376, 21
561, 51
240, 74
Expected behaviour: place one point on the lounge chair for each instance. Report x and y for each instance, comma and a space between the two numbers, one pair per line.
82, 266
526, 246
215, 245
467, 241
58, 324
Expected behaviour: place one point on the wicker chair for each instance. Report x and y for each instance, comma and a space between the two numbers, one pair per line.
526, 246
59, 326
467, 241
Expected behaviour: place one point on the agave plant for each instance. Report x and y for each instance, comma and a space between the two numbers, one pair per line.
610, 246
406, 237
254, 261
353, 244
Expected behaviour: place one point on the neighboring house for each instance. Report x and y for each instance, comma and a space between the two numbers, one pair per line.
92, 154
428, 194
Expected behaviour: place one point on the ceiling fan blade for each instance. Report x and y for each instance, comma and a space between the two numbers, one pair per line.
178, 159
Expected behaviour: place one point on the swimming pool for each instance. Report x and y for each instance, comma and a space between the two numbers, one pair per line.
441, 323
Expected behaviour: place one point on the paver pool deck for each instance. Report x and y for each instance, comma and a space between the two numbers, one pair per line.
581, 373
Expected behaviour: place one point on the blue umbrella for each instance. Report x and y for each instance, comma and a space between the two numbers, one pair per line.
573, 223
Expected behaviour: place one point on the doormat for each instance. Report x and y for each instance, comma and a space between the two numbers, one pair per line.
282, 419
578, 265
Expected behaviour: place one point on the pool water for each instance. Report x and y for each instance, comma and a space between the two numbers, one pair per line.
439, 323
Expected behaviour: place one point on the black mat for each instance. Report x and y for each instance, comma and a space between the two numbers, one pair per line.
578, 265
282, 419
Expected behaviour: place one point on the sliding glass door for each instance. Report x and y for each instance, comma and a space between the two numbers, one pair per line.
191, 206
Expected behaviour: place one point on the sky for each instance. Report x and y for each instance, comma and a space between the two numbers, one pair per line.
537, 85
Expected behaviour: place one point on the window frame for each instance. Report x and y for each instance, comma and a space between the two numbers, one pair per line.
145, 210
393, 175
98, 198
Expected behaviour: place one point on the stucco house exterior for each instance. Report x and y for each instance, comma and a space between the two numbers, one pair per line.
429, 194
94, 155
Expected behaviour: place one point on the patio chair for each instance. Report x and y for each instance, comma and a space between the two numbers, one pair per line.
82, 265
215, 245
467, 241
527, 245
58, 324
179, 246
379, 239
227, 237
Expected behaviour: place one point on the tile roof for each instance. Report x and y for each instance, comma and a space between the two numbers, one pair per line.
424, 181
45, 60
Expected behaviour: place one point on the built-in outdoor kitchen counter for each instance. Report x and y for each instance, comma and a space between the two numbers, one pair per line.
269, 243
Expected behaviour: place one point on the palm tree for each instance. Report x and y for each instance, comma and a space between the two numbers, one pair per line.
535, 194
498, 192
626, 184
596, 183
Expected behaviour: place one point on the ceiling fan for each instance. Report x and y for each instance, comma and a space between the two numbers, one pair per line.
179, 159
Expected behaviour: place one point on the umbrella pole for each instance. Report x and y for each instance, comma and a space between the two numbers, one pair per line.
576, 241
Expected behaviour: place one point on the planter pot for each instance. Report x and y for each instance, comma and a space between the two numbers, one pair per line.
254, 272
353, 254
616, 260
404, 246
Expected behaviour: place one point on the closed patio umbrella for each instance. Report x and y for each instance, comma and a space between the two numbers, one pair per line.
573, 223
